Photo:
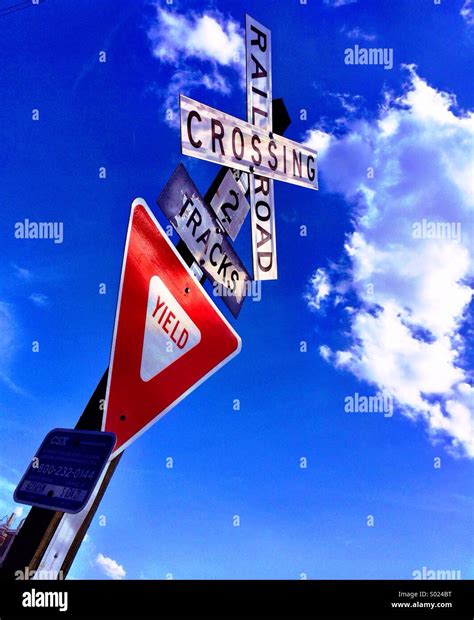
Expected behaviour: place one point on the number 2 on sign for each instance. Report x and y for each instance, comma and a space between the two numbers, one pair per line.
229, 206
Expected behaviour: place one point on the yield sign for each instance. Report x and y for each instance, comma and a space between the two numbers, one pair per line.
169, 336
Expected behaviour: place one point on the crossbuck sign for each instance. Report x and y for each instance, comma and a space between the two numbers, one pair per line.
251, 146
209, 134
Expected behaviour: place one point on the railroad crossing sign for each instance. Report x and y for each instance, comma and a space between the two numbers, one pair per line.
207, 133
169, 336
258, 56
252, 147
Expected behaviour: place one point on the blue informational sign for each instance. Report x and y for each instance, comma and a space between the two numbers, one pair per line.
65, 469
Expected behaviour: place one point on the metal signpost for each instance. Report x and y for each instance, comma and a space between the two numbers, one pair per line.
169, 336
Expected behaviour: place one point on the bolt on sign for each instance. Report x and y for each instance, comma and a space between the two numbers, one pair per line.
169, 336
258, 52
205, 237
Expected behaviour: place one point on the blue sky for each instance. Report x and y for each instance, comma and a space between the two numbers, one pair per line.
407, 335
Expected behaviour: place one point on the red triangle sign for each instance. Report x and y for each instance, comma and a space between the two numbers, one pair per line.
168, 337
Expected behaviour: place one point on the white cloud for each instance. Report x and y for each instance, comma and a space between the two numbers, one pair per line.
358, 33
39, 299
206, 37
325, 352
21, 272
319, 289
110, 567
214, 44
318, 140
467, 12
412, 294
8, 331
6, 487
338, 3
185, 81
